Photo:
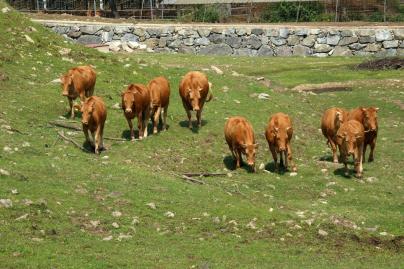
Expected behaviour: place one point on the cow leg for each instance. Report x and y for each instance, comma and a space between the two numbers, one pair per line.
275, 157
372, 149
165, 118
344, 160
156, 117
102, 137
132, 133
199, 117
71, 107
90, 92
146, 118
292, 163
97, 140
140, 124
281, 160
82, 98
239, 158
358, 158
285, 153
85, 131
334, 150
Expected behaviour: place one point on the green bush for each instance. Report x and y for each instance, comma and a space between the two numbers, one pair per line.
206, 13
287, 12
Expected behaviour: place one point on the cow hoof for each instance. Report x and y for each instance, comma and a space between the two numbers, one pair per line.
294, 169
370, 160
346, 174
140, 137
154, 131
335, 161
358, 175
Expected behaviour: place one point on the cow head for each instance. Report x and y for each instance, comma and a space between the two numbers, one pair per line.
281, 138
339, 119
370, 118
87, 110
194, 96
348, 141
250, 151
67, 84
128, 100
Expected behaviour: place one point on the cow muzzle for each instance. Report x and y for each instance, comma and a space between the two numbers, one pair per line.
84, 122
196, 109
128, 110
65, 94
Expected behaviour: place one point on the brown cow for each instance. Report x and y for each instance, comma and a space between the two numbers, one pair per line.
93, 120
330, 123
160, 98
194, 91
279, 134
239, 135
78, 81
368, 118
350, 139
136, 103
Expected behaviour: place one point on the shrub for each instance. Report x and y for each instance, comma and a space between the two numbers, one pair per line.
287, 11
206, 13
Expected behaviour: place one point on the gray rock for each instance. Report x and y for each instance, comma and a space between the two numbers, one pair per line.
346, 33
373, 47
162, 50
216, 38
283, 51
204, 32
400, 52
216, 49
272, 32
333, 39
284, 32
186, 50
265, 50
74, 34
129, 37
390, 44
242, 31
278, 41
383, 35
90, 29
245, 52
254, 42
168, 30
321, 40
133, 44
162, 42
341, 51
6, 203
348, 40
89, 39
333, 32
366, 32
320, 55
175, 44
356, 46
302, 32
309, 41
189, 41
106, 36
107, 28
362, 53
264, 40
402, 44
203, 41
229, 32
153, 32
300, 50
139, 32
293, 40
152, 42
314, 31
320, 48
234, 42
257, 31
61, 29
399, 34
188, 33
386, 53
367, 39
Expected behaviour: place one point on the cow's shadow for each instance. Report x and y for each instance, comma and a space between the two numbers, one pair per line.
230, 164
326, 158
89, 148
271, 168
126, 134
195, 128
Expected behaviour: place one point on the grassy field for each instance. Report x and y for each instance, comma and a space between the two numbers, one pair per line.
72, 209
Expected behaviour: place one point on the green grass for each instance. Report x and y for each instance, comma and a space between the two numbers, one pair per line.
70, 188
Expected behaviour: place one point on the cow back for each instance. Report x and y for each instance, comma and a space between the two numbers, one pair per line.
159, 92
239, 131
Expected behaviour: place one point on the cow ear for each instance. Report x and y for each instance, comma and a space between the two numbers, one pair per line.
377, 109
287, 128
337, 113
200, 89
358, 136
363, 109
243, 146
256, 145
276, 129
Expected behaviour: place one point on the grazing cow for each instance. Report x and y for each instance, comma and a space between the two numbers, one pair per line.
160, 98
350, 139
136, 103
279, 134
93, 120
194, 91
78, 81
368, 118
330, 123
239, 135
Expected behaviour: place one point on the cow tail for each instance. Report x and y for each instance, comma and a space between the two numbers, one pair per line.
210, 94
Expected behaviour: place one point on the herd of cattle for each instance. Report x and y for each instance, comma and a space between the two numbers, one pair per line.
350, 131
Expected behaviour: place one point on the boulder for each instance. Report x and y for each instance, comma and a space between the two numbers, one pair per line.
346, 33
243, 31
90, 29
133, 44
257, 31
373, 47
89, 39
302, 32
245, 52
106, 36
129, 37
186, 50
272, 32
321, 40
367, 39
390, 44
61, 29
217, 49
216, 38
386, 53
333, 39
283, 51
265, 50
254, 42
366, 32
321, 48
203, 41
139, 31
204, 32
309, 41
278, 41
175, 44
383, 35
284, 32
153, 32
234, 42
163, 42
399, 34
152, 42
356, 46
341, 51
348, 40
300, 50
293, 40
74, 34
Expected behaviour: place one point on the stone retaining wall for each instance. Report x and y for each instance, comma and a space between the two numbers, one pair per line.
265, 40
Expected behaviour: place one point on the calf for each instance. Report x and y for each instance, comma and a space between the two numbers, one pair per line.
330, 123
78, 81
279, 134
194, 91
350, 139
159, 99
368, 118
239, 135
94, 114
136, 103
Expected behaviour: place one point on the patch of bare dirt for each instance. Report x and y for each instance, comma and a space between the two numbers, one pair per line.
383, 64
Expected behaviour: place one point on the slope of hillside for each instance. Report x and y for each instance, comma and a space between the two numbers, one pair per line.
64, 208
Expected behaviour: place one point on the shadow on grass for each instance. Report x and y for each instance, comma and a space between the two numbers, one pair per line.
195, 128
230, 164
341, 172
271, 167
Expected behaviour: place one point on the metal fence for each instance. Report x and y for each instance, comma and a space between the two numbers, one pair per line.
331, 10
